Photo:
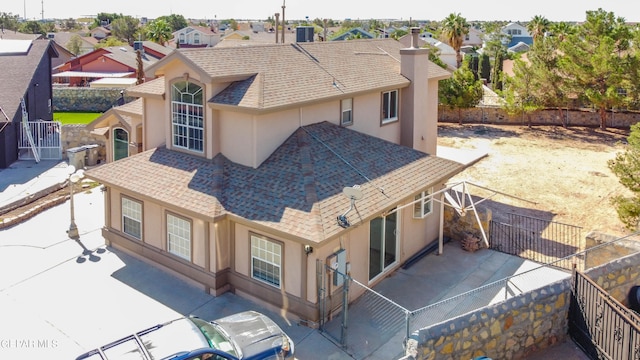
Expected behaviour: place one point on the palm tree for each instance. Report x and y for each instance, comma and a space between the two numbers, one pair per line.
454, 28
538, 26
561, 30
159, 31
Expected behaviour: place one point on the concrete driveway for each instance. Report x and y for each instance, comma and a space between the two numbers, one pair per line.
60, 297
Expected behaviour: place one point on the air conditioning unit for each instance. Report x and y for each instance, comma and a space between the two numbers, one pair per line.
304, 33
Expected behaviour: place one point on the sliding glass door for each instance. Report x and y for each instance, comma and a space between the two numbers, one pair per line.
383, 245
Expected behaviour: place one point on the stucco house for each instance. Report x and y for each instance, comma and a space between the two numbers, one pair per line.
29, 79
517, 34
196, 36
259, 164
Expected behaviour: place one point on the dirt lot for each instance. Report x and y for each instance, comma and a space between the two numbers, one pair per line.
564, 171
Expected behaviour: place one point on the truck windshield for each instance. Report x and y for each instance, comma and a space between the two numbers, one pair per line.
216, 337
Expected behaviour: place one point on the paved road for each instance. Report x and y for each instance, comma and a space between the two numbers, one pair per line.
60, 297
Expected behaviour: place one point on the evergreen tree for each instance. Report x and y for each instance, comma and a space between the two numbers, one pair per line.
626, 166
461, 91
125, 28
520, 92
485, 67
591, 61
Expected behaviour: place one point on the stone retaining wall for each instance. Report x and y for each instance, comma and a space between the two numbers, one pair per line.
497, 115
509, 330
85, 99
523, 324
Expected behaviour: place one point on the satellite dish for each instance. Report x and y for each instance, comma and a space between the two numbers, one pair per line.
353, 192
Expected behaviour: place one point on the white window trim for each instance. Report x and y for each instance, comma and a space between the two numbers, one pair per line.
343, 109
387, 120
176, 113
126, 214
256, 243
174, 238
422, 201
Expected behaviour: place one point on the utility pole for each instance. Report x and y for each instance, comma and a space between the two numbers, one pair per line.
42, 9
284, 23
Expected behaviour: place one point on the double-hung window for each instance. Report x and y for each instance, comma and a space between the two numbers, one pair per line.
266, 261
187, 116
346, 106
423, 204
132, 218
389, 106
179, 236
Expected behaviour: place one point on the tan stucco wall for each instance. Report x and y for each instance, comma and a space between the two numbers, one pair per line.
155, 123
236, 137
153, 224
366, 118
292, 258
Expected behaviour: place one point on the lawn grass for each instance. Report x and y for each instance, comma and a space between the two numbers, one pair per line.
75, 117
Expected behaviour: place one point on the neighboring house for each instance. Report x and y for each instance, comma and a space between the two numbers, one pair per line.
29, 79
100, 32
63, 39
474, 38
519, 48
246, 154
517, 33
196, 36
445, 52
115, 62
355, 33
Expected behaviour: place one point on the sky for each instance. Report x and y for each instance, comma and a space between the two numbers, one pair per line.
483, 10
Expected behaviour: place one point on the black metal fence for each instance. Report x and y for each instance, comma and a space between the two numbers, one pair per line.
539, 240
604, 328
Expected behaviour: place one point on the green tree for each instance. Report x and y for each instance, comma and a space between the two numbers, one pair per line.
520, 93
176, 22
550, 86
454, 29
75, 45
32, 27
537, 27
158, 31
626, 166
70, 24
461, 90
591, 61
561, 30
104, 17
8, 21
125, 28
109, 42
484, 67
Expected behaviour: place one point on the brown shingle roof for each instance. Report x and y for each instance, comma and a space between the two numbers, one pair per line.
297, 190
153, 87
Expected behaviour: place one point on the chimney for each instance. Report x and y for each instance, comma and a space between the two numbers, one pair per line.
415, 33
277, 15
284, 23
419, 112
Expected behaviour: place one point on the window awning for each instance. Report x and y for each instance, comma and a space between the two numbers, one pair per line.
90, 74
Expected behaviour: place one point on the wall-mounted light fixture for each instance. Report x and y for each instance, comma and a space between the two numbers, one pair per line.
308, 249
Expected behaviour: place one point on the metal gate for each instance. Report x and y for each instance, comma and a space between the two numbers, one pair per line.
385, 319
543, 241
46, 138
600, 325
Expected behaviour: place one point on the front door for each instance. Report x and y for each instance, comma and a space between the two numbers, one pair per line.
383, 244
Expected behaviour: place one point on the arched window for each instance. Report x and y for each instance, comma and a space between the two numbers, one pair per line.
196, 38
187, 116
181, 38
120, 144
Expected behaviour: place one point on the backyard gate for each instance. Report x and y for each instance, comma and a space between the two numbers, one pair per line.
45, 135
600, 325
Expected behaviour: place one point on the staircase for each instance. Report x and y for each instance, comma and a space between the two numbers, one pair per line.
27, 130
